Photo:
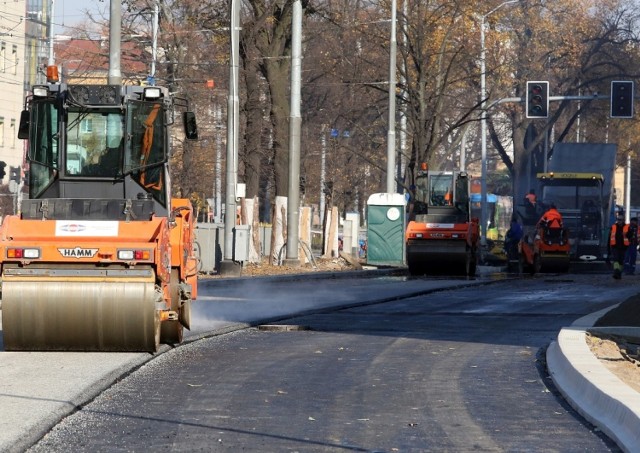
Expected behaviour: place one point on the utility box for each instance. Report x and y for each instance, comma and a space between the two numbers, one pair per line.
386, 222
241, 238
347, 237
352, 234
209, 245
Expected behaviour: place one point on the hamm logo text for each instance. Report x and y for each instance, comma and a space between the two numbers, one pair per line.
78, 253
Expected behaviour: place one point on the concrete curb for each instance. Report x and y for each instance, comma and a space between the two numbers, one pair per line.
592, 390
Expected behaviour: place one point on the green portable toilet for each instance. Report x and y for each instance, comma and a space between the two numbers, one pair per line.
385, 229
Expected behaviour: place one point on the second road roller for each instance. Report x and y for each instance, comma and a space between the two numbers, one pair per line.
441, 236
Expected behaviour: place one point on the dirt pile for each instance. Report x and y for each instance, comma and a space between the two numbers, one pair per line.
264, 268
620, 354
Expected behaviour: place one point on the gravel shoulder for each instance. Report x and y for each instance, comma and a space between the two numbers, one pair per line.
618, 350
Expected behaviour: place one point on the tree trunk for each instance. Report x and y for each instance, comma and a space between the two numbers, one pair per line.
277, 76
255, 126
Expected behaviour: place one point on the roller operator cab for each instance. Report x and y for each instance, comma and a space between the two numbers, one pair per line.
100, 257
441, 236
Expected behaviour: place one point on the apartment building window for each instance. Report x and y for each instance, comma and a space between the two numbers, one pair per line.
14, 59
1, 132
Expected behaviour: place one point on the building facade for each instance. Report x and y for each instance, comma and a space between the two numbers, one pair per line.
12, 73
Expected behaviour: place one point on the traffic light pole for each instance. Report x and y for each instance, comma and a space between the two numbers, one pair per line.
595, 97
293, 200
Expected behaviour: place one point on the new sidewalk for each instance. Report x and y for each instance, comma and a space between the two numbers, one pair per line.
594, 391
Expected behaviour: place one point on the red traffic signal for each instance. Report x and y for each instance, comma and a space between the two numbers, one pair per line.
537, 100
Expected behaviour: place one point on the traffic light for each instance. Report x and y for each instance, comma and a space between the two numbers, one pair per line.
537, 99
622, 99
14, 174
3, 172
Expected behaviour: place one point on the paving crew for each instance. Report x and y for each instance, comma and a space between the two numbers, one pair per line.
618, 243
551, 219
632, 250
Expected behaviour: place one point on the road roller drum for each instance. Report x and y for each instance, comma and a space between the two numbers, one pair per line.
88, 313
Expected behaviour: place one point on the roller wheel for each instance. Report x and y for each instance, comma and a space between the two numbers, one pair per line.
415, 268
416, 271
171, 331
71, 315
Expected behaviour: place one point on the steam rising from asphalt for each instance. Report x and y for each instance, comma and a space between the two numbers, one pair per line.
251, 300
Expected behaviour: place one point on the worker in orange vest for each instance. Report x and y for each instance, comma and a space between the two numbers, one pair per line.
551, 219
619, 241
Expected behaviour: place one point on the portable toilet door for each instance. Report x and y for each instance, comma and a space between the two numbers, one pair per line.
386, 222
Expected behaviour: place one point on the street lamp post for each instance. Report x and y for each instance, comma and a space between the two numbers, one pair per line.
227, 265
483, 126
391, 133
